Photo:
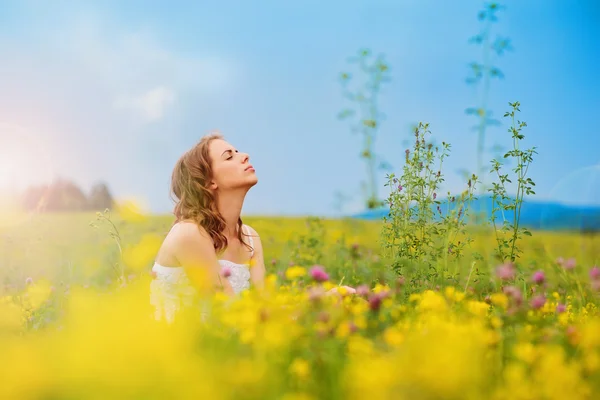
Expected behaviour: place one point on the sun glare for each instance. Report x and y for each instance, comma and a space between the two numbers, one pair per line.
23, 160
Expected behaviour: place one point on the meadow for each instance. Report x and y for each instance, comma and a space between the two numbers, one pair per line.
75, 319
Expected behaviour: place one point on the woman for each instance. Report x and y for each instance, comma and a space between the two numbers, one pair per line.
208, 248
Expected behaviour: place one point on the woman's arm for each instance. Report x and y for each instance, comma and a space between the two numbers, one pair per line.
196, 253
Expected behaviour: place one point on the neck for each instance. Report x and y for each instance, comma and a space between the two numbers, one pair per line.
230, 206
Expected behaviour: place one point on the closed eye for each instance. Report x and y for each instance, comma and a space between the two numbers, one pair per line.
230, 152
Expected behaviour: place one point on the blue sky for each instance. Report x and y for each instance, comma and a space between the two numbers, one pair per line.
116, 91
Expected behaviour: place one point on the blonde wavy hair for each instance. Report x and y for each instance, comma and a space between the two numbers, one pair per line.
193, 199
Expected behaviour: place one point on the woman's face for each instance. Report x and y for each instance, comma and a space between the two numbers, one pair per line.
231, 169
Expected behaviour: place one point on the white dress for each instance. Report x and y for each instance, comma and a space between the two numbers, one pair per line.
171, 289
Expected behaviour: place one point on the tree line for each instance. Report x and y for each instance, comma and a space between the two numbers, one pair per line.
65, 195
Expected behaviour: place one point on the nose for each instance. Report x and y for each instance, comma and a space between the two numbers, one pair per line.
245, 157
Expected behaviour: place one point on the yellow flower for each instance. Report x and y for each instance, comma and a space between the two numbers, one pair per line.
591, 361
295, 272
393, 337
432, 301
142, 254
300, 368
478, 308
359, 346
525, 352
130, 210
499, 299
343, 330
496, 322
556, 295
414, 297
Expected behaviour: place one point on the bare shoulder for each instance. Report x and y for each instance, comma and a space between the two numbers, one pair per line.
189, 231
252, 232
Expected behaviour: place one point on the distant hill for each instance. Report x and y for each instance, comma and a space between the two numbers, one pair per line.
534, 215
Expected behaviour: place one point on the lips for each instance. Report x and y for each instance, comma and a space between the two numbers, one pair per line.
249, 167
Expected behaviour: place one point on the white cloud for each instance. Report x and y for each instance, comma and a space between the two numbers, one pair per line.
135, 70
151, 106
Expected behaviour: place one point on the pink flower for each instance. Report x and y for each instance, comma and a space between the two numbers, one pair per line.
570, 264
29, 281
596, 285
226, 271
538, 277
595, 273
514, 293
375, 301
538, 302
506, 271
362, 290
318, 274
560, 308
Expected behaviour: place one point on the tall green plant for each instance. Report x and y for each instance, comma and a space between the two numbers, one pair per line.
481, 74
510, 232
417, 229
365, 97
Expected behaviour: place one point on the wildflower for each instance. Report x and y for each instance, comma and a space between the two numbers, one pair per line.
569, 264
499, 299
400, 188
595, 273
538, 302
226, 272
515, 294
29, 281
318, 274
300, 368
538, 277
375, 301
294, 272
596, 285
560, 308
362, 290
506, 271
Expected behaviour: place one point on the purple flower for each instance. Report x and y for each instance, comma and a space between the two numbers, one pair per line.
538, 277
538, 302
595, 273
434, 195
29, 281
560, 308
506, 271
400, 188
318, 274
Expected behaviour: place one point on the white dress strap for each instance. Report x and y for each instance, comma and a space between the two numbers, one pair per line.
249, 238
